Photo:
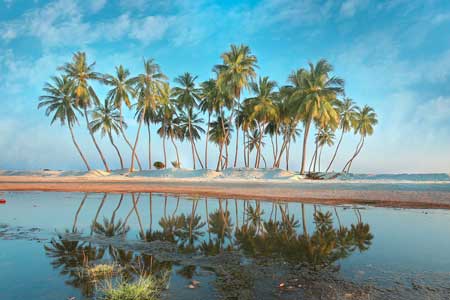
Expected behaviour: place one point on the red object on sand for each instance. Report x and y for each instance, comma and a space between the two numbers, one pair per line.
2, 201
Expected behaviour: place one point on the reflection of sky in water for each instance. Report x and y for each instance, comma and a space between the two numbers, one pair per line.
404, 240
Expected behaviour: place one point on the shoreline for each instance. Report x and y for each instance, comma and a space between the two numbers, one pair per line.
307, 191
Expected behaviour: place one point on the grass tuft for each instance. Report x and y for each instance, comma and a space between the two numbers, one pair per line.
144, 288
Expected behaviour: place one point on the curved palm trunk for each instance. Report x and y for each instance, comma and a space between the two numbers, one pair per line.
288, 151
305, 140
361, 141
206, 142
220, 158
133, 154
105, 195
117, 208
176, 150
137, 214
117, 149
74, 227
198, 156
149, 147
244, 149
125, 138
356, 154
320, 156
335, 152
95, 141
78, 147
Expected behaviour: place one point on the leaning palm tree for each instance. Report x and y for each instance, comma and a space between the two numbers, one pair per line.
106, 118
347, 112
324, 136
312, 98
235, 74
121, 93
81, 73
209, 98
365, 120
60, 100
186, 96
149, 87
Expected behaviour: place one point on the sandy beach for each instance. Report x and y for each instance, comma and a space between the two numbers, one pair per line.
238, 183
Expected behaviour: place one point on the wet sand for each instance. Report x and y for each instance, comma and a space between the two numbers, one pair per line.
281, 190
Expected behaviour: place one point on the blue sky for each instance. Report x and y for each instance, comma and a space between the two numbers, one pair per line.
394, 56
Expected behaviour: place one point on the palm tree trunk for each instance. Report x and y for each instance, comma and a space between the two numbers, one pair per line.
192, 143
226, 155
117, 149
206, 142
74, 227
335, 152
315, 157
78, 147
113, 217
244, 149
288, 150
126, 138
305, 231
198, 156
273, 149
137, 215
361, 142
136, 142
320, 156
95, 141
356, 154
220, 158
164, 145
149, 147
176, 151
237, 147
98, 211
305, 141
312, 160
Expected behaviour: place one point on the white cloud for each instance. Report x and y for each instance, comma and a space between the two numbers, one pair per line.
350, 7
151, 28
97, 5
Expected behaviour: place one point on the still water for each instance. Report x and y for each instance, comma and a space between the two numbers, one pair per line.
221, 248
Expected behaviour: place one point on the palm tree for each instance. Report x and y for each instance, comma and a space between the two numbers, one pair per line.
151, 116
60, 100
324, 137
106, 118
313, 93
209, 98
186, 96
189, 123
261, 108
347, 112
365, 120
235, 74
121, 93
81, 72
149, 87
170, 127
219, 135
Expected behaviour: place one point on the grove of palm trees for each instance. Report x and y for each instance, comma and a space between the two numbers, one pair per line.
256, 131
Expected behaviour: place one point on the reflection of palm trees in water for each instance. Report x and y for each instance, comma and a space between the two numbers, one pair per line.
70, 257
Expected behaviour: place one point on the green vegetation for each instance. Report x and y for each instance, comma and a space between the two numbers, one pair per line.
313, 102
144, 288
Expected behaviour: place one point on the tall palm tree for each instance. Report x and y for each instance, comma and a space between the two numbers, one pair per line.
150, 87
235, 74
187, 96
365, 121
261, 107
314, 92
81, 73
60, 100
347, 112
209, 98
121, 93
151, 116
106, 118
324, 136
